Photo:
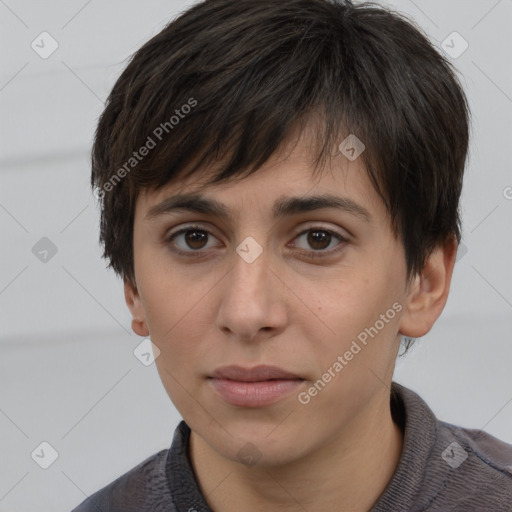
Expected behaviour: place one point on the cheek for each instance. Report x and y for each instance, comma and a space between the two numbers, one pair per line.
179, 328
356, 318
171, 294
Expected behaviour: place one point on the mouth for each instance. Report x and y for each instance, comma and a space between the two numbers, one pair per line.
253, 387
255, 374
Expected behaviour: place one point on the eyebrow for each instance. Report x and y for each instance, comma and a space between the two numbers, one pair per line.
282, 207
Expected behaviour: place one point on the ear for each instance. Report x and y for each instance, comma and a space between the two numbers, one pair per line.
134, 303
428, 292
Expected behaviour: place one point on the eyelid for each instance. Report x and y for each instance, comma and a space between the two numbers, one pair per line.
320, 226
296, 232
312, 254
343, 239
171, 235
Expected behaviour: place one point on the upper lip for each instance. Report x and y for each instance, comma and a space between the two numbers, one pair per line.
255, 374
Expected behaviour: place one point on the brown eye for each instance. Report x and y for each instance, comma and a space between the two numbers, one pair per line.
319, 240
196, 239
190, 241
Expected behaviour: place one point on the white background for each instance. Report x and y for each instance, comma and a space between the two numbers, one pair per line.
68, 375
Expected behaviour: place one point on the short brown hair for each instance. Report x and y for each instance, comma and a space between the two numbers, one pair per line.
249, 71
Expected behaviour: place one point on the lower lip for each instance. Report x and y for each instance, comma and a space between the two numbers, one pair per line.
254, 394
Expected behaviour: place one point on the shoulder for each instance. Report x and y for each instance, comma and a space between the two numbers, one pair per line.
445, 467
143, 488
479, 469
491, 451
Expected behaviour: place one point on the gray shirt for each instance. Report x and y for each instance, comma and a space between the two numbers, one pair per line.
442, 468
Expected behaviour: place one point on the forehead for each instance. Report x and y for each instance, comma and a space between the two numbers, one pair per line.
285, 184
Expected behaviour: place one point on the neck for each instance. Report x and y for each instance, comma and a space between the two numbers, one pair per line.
348, 472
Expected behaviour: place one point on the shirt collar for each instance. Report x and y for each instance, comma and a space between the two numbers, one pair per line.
419, 427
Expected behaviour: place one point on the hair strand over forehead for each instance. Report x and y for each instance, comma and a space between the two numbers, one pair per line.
253, 71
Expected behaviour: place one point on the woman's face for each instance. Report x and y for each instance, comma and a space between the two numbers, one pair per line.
259, 278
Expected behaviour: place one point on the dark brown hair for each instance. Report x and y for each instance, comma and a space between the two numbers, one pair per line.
228, 80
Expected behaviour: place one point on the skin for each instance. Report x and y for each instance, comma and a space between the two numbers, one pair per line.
339, 451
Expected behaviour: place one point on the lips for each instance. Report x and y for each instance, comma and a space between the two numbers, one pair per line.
254, 387
256, 374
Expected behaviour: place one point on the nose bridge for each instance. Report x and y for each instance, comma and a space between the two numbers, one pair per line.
249, 266
249, 249
247, 303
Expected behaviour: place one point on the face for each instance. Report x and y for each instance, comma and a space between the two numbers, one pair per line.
317, 292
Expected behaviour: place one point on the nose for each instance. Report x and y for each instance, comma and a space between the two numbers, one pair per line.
252, 300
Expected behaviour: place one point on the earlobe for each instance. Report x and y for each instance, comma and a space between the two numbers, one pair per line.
428, 292
139, 327
134, 303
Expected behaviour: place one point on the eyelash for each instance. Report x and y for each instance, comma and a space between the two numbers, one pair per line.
310, 254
